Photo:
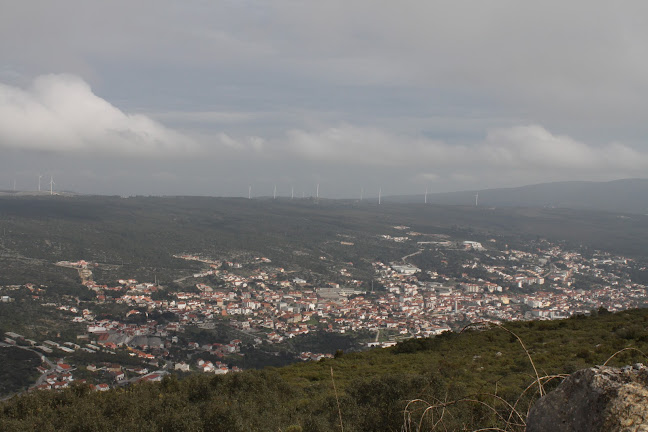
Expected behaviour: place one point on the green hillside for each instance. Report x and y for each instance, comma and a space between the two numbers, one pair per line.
18, 369
469, 381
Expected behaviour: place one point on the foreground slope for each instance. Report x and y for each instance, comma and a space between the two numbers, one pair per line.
477, 376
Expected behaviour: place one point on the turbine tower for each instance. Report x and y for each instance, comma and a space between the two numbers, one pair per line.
39, 182
361, 192
476, 199
317, 191
425, 200
250, 192
274, 195
51, 183
292, 192
379, 194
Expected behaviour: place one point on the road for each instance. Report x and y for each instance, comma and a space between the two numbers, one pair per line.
182, 279
163, 372
411, 255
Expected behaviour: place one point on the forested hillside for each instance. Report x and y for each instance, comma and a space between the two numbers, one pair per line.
144, 232
480, 378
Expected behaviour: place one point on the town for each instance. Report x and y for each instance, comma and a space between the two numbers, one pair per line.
262, 306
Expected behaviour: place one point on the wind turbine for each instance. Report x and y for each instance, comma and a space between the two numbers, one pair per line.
51, 183
250, 192
476, 199
317, 191
39, 182
379, 194
292, 192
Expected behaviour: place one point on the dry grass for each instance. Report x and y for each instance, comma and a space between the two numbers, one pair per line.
623, 350
511, 417
337, 400
508, 415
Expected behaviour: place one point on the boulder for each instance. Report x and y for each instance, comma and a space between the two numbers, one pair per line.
596, 399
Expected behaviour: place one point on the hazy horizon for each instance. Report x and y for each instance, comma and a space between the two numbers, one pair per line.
293, 192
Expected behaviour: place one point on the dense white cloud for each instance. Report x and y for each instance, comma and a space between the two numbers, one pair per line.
528, 147
533, 146
60, 113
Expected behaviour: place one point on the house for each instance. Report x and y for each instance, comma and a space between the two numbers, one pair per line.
59, 385
182, 366
206, 366
154, 377
118, 376
222, 370
114, 368
62, 367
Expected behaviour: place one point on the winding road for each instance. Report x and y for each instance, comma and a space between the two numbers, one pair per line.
411, 255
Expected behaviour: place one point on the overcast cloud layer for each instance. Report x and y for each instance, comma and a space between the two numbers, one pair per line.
162, 97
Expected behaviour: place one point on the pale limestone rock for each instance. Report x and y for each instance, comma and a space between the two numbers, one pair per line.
598, 399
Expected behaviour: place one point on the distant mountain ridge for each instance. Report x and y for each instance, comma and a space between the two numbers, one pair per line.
624, 196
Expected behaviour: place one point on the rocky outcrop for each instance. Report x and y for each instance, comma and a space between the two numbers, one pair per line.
595, 399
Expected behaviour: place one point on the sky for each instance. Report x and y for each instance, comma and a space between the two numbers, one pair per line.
213, 97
